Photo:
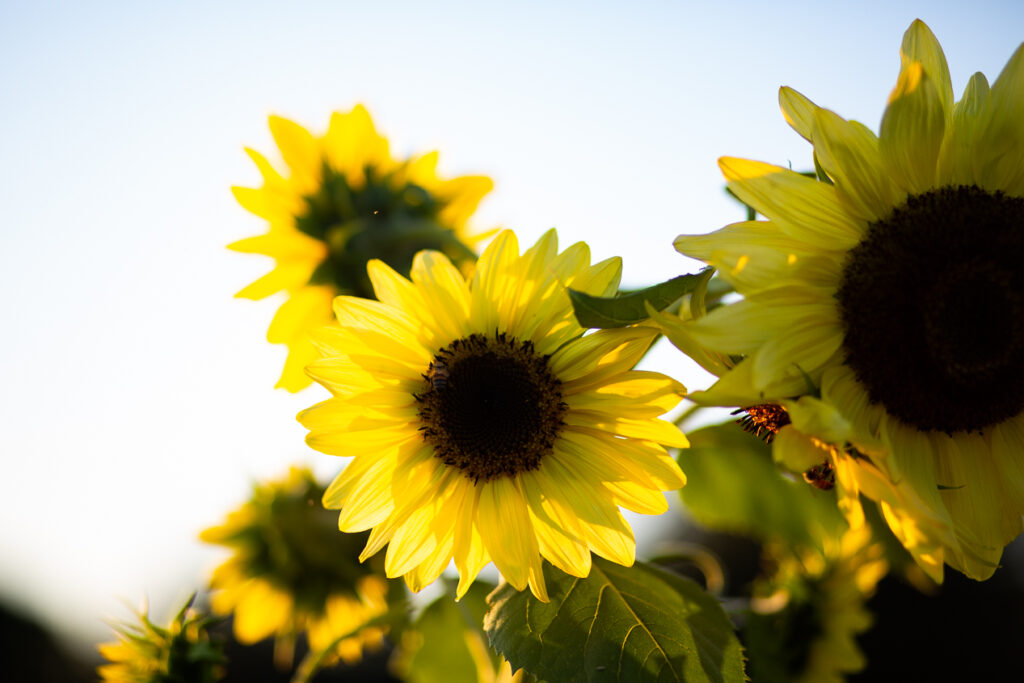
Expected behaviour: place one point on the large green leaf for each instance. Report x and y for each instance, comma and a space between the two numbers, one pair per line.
627, 309
640, 623
733, 485
446, 643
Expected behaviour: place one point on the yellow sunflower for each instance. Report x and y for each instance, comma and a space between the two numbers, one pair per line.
290, 572
343, 200
147, 653
895, 287
484, 424
808, 614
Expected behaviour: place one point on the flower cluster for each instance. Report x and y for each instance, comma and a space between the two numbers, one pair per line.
870, 328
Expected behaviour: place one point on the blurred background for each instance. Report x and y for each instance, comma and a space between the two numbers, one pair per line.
136, 397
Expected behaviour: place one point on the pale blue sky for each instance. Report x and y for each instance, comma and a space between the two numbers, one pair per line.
136, 394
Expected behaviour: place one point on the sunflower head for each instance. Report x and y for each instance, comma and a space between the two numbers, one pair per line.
147, 653
291, 571
893, 285
807, 614
484, 424
343, 200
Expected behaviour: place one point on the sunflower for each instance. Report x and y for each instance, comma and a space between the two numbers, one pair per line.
894, 287
484, 424
342, 201
291, 572
147, 653
808, 613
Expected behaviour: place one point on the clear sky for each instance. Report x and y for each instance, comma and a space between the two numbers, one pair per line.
136, 399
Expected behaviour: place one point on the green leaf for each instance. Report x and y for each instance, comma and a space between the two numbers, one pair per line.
446, 643
733, 485
640, 623
627, 309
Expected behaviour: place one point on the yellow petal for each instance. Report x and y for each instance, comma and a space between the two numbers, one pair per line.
507, 532
584, 356
352, 143
286, 277
489, 279
350, 442
1002, 144
757, 255
803, 350
558, 531
913, 127
468, 551
444, 293
961, 155
975, 497
658, 431
798, 111
306, 309
849, 153
650, 391
299, 149
639, 461
804, 208
920, 45
263, 611
600, 523
602, 473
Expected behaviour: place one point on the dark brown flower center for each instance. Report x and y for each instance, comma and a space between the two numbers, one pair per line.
932, 301
490, 406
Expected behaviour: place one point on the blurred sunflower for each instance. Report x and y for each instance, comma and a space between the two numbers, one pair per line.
292, 572
484, 425
147, 653
342, 201
808, 613
895, 287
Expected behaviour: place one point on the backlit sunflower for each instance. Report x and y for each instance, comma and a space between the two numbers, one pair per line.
895, 287
484, 425
341, 201
147, 653
292, 572
808, 613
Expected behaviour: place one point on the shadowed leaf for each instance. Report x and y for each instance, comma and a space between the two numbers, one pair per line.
627, 309
619, 624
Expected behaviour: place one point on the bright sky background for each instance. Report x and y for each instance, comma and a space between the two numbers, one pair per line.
136, 400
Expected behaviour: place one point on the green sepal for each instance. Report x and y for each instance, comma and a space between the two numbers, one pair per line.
628, 309
820, 172
637, 624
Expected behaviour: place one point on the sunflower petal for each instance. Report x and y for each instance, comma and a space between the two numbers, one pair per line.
913, 127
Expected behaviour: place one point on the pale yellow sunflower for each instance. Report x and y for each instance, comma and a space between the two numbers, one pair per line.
895, 288
147, 653
291, 573
484, 425
342, 200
